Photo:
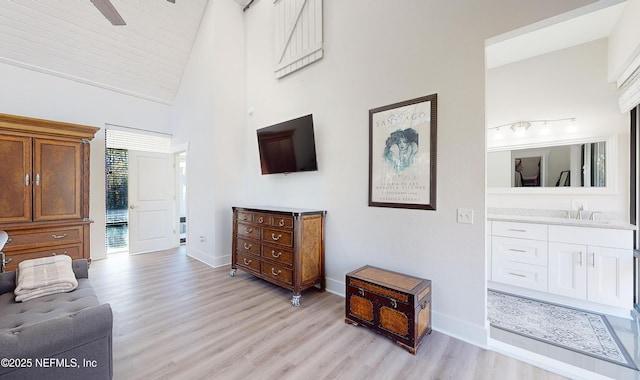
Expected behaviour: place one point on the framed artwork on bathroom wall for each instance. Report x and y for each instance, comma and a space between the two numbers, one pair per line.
402, 154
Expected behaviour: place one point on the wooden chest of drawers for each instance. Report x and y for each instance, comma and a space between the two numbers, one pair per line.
395, 305
282, 246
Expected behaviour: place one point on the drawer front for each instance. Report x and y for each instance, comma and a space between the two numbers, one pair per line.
249, 262
36, 238
259, 218
278, 237
73, 251
519, 230
519, 250
602, 237
519, 274
277, 272
248, 246
278, 254
282, 221
245, 216
249, 231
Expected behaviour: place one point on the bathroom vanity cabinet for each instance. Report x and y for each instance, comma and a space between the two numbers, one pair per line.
588, 266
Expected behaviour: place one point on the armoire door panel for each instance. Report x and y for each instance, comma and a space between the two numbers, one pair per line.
57, 183
15, 179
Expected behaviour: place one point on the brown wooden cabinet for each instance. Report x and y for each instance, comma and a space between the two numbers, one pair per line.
282, 246
44, 202
393, 304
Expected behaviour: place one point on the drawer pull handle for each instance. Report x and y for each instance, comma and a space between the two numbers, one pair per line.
580, 258
55, 253
261, 220
517, 274
593, 259
247, 246
274, 237
248, 230
281, 222
38, 179
361, 292
516, 230
26, 179
424, 305
246, 262
273, 271
394, 303
517, 250
273, 253
54, 236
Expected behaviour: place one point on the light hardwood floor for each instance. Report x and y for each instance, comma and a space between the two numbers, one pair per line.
177, 318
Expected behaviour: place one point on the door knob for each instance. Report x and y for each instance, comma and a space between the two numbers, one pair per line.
132, 206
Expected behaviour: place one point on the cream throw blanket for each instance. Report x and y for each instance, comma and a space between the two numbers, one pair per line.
44, 276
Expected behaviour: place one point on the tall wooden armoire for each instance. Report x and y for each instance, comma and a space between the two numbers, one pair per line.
44, 188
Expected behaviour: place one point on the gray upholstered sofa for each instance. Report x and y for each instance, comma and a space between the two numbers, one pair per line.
59, 336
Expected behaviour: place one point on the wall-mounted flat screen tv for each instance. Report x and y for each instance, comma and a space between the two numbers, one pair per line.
288, 147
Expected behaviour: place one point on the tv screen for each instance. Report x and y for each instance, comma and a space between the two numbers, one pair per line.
288, 147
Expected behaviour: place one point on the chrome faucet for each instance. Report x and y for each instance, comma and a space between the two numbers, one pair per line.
592, 217
579, 213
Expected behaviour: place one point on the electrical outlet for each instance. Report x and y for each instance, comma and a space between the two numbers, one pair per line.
465, 216
202, 238
578, 203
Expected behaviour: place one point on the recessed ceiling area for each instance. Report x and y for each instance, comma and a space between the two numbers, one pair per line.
72, 39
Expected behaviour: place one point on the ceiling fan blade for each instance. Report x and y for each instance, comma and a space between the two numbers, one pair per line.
109, 11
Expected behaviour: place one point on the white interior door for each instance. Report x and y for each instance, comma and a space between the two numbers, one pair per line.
151, 190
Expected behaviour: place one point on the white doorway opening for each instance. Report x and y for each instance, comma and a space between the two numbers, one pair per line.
140, 191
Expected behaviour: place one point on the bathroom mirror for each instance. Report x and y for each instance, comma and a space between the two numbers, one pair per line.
585, 164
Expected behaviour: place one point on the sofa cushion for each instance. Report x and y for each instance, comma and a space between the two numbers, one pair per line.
15, 316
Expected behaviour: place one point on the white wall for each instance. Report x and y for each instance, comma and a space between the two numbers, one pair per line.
210, 117
568, 83
35, 94
377, 53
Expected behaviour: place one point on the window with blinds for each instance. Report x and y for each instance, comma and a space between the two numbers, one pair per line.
145, 142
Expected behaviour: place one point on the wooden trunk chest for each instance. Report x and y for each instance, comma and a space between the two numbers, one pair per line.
395, 305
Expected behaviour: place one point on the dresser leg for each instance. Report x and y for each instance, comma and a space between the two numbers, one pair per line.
232, 272
295, 301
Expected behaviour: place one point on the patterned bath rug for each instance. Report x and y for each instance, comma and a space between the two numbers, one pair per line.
577, 330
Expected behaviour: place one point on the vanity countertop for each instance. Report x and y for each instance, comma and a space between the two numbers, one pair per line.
561, 221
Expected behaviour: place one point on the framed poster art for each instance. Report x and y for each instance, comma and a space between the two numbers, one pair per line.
402, 154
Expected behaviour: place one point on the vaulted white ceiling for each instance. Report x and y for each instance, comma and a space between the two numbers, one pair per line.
72, 39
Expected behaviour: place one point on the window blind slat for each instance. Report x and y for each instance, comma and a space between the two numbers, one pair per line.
137, 141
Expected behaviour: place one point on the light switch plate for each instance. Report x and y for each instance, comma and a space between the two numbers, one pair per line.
465, 216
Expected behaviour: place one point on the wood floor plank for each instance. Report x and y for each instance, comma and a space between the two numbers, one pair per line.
177, 318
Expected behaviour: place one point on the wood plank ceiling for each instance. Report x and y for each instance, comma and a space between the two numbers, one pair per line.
72, 39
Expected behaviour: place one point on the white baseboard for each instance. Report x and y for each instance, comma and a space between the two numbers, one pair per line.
215, 262
335, 286
477, 335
